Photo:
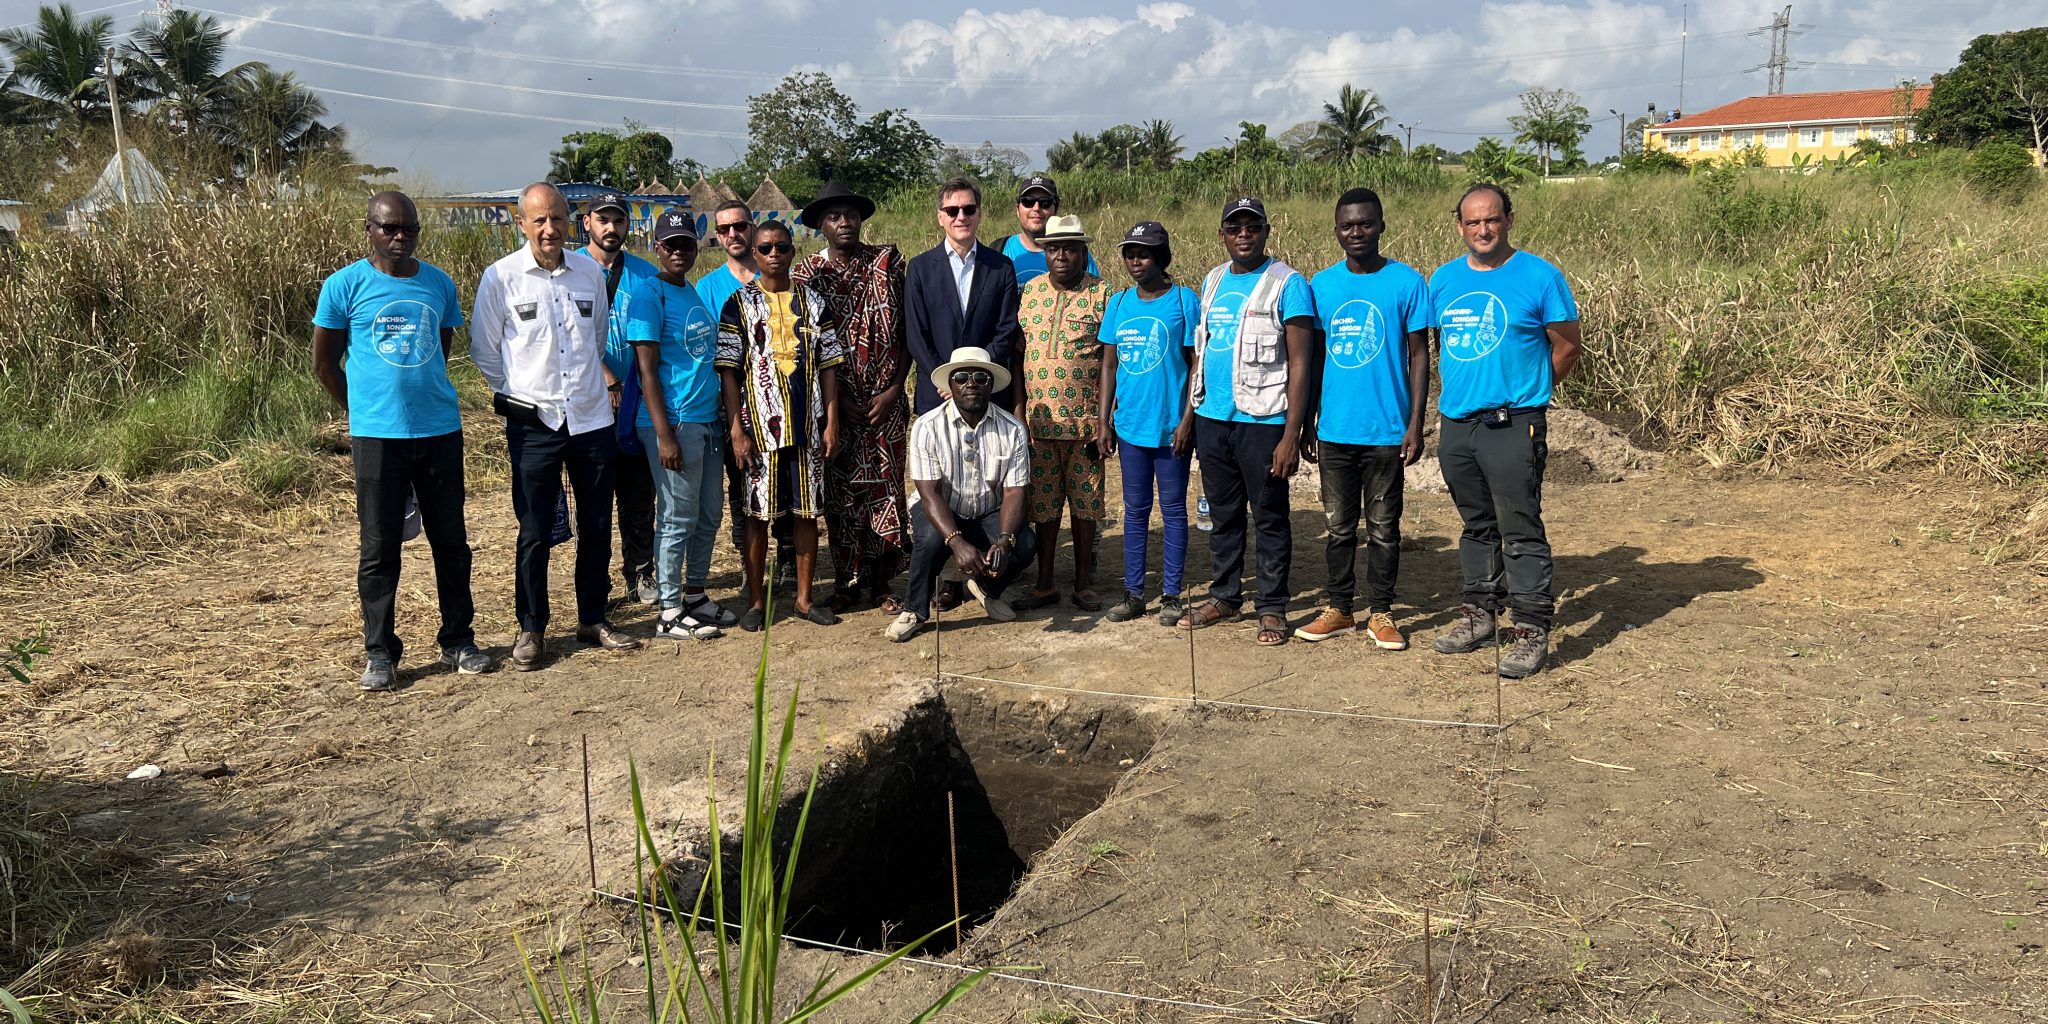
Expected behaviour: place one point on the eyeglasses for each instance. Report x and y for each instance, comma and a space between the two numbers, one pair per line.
733, 228
680, 245
395, 230
1247, 227
980, 378
1039, 203
771, 248
957, 212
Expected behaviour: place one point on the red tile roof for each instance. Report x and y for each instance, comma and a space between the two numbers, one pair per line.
1847, 105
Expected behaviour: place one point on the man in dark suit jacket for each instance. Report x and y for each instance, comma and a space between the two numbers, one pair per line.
960, 294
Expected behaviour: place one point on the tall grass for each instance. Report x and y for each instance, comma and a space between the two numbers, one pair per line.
739, 983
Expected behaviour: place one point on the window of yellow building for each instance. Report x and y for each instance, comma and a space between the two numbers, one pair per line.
1741, 140
1677, 143
1882, 135
1845, 135
1775, 138
1710, 140
1809, 136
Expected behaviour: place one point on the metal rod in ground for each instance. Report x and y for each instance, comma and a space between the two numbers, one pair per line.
589, 834
953, 858
938, 626
1428, 969
1498, 720
1194, 694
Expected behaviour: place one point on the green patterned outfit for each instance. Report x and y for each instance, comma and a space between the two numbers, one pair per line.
1062, 372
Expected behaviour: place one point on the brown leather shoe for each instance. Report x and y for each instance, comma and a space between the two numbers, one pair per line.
606, 636
526, 651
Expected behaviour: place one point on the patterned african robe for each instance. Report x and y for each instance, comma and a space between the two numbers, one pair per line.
1062, 356
782, 411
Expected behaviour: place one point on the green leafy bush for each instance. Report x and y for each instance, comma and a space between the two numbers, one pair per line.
2004, 171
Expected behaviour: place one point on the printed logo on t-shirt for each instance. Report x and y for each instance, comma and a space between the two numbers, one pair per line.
699, 336
406, 332
1473, 325
1140, 344
1358, 333
1222, 321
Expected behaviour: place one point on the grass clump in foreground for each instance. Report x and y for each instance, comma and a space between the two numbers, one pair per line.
738, 983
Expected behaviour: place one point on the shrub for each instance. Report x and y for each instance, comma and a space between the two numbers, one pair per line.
2004, 171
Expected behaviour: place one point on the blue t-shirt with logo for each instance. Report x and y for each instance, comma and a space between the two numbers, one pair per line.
1151, 338
1032, 264
1219, 361
397, 375
716, 287
1490, 330
676, 319
637, 279
1365, 320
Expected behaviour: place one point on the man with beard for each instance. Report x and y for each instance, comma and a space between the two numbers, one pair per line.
626, 278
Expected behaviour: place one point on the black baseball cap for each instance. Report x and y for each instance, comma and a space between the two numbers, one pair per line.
1244, 204
1145, 232
605, 201
1039, 183
675, 222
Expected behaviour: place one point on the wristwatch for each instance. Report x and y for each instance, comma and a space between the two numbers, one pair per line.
1007, 540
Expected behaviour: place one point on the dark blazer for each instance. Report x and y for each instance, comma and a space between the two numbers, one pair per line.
934, 326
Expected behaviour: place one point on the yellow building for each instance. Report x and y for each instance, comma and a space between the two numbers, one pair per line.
1815, 125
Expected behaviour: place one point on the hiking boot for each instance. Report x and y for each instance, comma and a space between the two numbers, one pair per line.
1132, 606
1331, 623
526, 651
907, 625
1475, 629
379, 676
603, 634
467, 660
1385, 635
1170, 610
1525, 653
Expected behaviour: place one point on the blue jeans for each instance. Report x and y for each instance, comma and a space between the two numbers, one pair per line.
1141, 466
689, 507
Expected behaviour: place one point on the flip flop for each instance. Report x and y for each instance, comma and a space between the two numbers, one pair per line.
1272, 635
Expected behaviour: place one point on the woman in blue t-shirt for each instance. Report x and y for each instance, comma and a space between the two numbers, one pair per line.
1148, 334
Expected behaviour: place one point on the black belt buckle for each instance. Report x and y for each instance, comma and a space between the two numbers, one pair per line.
1495, 419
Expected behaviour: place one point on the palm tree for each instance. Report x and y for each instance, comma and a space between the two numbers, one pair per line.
1352, 127
56, 79
1497, 163
272, 123
178, 65
1074, 153
1159, 144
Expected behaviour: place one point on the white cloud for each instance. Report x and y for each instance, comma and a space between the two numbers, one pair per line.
1165, 16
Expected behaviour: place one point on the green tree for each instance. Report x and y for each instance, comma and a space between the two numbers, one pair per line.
885, 154
987, 163
1352, 127
1998, 90
1551, 119
1632, 139
1428, 153
56, 78
1161, 146
642, 157
583, 156
272, 125
803, 120
1653, 161
177, 65
2005, 171
1493, 161
1074, 153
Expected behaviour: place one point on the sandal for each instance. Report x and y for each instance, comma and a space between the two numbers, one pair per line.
1035, 599
891, 605
1087, 600
1272, 629
1204, 615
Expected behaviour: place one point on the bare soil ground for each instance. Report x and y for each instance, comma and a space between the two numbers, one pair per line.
1790, 763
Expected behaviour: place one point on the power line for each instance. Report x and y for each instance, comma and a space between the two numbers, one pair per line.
81, 14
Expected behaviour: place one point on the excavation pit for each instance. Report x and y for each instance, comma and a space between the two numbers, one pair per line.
875, 872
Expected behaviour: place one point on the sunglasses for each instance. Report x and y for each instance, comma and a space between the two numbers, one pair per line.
733, 228
957, 212
395, 230
680, 245
771, 248
1250, 227
982, 378
1039, 203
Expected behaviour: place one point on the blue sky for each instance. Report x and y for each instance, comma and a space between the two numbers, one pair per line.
471, 94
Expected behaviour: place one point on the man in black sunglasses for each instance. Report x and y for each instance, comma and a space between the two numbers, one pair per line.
1037, 203
392, 318
959, 294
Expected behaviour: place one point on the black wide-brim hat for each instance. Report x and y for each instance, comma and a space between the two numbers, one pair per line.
834, 192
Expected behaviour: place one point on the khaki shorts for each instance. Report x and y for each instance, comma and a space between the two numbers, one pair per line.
1063, 475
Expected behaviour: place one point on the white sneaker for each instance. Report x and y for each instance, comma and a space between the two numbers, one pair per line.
997, 608
678, 626
907, 625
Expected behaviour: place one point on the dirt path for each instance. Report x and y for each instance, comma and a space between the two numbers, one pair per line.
1788, 766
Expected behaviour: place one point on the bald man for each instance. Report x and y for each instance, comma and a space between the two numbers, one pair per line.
537, 335
380, 348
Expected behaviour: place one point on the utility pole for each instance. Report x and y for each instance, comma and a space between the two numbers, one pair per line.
1620, 133
1684, 33
1781, 44
1408, 136
120, 143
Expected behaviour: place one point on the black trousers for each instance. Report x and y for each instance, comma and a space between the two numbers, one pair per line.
633, 481
538, 457
1496, 480
387, 469
929, 555
1237, 462
1368, 480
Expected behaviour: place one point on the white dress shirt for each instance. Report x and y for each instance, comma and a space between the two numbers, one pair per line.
539, 335
973, 465
963, 271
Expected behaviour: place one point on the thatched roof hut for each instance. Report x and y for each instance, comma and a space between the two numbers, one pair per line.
770, 197
652, 188
704, 196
